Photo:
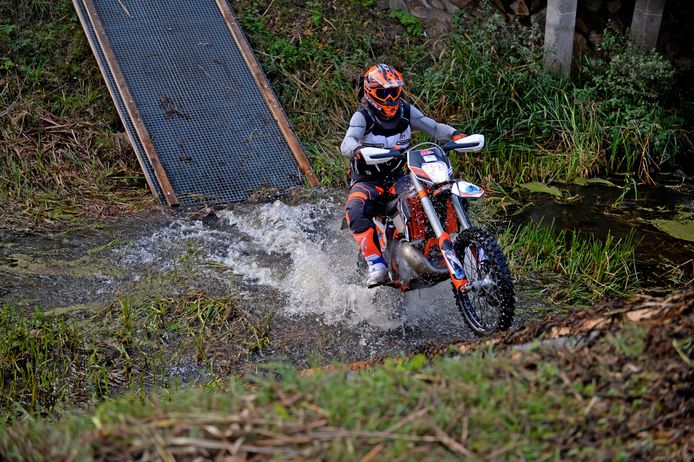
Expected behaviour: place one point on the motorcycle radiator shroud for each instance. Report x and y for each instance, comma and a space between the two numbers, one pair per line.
416, 257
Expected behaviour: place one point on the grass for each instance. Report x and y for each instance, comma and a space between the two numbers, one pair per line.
62, 158
485, 77
619, 396
48, 361
574, 269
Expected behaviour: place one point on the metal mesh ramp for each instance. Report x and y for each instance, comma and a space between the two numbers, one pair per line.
204, 123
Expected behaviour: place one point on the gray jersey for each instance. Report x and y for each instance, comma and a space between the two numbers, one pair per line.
356, 133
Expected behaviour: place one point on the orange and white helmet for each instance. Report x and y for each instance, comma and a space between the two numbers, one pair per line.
382, 89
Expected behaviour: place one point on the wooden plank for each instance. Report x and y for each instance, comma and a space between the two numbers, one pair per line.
106, 72
134, 113
266, 91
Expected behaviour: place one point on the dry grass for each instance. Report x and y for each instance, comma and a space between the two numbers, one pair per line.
55, 170
619, 390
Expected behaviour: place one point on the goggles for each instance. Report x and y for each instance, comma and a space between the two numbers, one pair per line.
392, 93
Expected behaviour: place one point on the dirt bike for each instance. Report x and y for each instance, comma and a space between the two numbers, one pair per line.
426, 236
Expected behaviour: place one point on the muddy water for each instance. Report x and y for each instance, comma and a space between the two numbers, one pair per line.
599, 210
289, 260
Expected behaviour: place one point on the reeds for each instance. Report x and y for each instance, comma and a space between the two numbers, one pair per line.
486, 76
574, 269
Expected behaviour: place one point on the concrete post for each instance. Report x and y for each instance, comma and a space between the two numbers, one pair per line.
645, 24
559, 35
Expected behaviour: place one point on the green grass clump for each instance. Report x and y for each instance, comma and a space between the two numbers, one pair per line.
51, 360
412, 24
42, 362
619, 115
575, 269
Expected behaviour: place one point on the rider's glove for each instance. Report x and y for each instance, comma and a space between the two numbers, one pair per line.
457, 135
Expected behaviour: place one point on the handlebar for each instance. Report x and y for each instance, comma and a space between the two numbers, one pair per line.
389, 155
376, 155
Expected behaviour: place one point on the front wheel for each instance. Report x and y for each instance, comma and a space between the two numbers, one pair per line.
489, 304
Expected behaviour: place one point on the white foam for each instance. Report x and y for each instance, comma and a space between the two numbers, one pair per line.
301, 251
321, 274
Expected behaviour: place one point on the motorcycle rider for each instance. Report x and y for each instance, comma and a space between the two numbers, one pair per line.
384, 120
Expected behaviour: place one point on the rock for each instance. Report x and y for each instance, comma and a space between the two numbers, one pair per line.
580, 45
421, 12
450, 6
594, 37
536, 5
519, 8
617, 25
462, 3
592, 5
438, 23
397, 5
207, 216
582, 26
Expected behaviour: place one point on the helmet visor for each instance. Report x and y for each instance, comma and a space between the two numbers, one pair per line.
385, 94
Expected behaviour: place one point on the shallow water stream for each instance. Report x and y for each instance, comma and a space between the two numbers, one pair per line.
289, 260
601, 210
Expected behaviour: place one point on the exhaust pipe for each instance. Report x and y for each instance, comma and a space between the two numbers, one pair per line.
419, 263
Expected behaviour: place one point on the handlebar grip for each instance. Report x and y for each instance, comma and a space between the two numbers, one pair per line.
451, 145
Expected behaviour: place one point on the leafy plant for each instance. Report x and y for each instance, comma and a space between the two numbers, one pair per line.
315, 13
413, 25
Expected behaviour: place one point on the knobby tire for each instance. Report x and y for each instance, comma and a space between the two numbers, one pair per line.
487, 310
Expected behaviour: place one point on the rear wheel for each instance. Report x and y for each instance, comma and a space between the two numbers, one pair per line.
489, 305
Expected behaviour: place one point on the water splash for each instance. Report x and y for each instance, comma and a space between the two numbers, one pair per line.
301, 252
318, 271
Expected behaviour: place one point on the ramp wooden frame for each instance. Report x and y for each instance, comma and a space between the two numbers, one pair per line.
133, 112
267, 92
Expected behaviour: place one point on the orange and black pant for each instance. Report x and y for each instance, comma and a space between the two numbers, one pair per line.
363, 203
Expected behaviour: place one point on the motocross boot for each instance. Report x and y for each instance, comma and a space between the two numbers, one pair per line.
378, 271
378, 274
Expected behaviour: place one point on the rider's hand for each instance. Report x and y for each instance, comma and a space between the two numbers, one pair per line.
457, 135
